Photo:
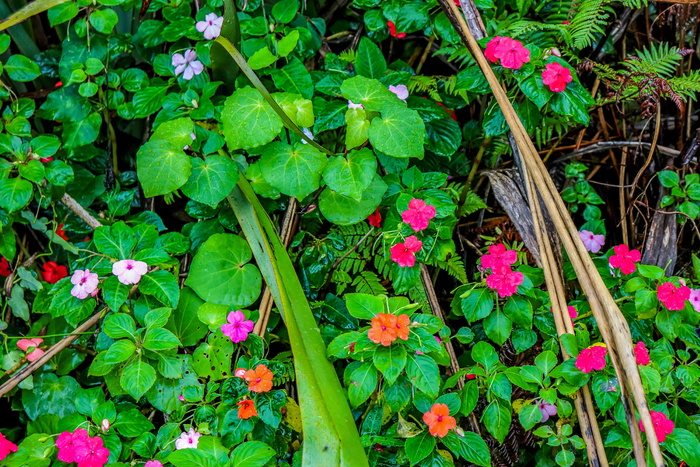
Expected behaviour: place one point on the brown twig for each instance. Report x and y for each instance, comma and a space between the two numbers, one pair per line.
80, 211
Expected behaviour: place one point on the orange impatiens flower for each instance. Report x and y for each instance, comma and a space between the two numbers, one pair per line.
402, 330
384, 329
439, 421
246, 409
259, 379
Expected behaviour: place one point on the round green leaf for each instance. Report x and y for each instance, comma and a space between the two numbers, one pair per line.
343, 210
21, 68
399, 132
251, 454
293, 170
351, 176
248, 120
137, 378
15, 193
211, 179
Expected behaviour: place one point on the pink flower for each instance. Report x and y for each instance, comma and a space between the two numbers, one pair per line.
641, 354
392, 30
418, 214
188, 440
695, 299
187, 64
512, 53
90, 452
404, 253
375, 219
592, 358
547, 409
67, 444
556, 77
153, 464
129, 271
84, 283
672, 298
238, 327
26, 344
491, 47
211, 26
352, 105
401, 91
239, 373
625, 259
662, 425
504, 280
6, 447
572, 312
181, 398
591, 241
498, 256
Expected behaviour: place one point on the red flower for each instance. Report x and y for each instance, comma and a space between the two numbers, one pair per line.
556, 76
375, 219
404, 253
491, 47
451, 113
6, 447
59, 84
592, 358
566, 22
60, 232
641, 354
259, 379
246, 409
392, 31
504, 280
512, 53
4, 267
673, 298
53, 272
384, 329
418, 214
470, 376
625, 259
498, 256
662, 425
439, 420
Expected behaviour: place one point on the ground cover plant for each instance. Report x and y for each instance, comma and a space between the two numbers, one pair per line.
252, 233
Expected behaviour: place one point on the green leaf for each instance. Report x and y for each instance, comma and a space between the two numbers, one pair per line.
477, 305
50, 395
424, 374
470, 396
390, 360
546, 361
293, 170
262, 58
372, 94
21, 68
182, 321
529, 416
212, 359
357, 131
497, 419
33, 171
104, 20
287, 44
211, 179
351, 176
160, 339
118, 352
399, 132
683, 444
370, 61
36, 450
498, 327
364, 306
284, 11
343, 210
224, 257
419, 447
251, 454
192, 458
162, 285
137, 378
362, 383
471, 447
294, 77
148, 101
118, 325
114, 292
248, 120
668, 178
116, 240
15, 193
62, 13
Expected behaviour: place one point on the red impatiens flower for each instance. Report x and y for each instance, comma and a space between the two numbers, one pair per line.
673, 298
504, 280
498, 256
6, 447
439, 420
67, 444
662, 425
4, 267
392, 31
45, 159
451, 113
491, 47
384, 329
556, 76
641, 354
246, 409
572, 312
259, 379
404, 253
91, 452
418, 214
625, 259
53, 272
592, 358
512, 53
375, 219
60, 232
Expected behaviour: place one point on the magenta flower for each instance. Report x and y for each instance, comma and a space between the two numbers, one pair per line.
68, 442
187, 65
401, 91
671, 296
625, 259
504, 280
188, 440
512, 53
694, 299
129, 271
498, 256
556, 77
91, 452
211, 26
641, 354
662, 425
238, 327
6, 447
153, 464
591, 241
547, 409
592, 358
404, 253
573, 314
491, 47
84, 283
418, 214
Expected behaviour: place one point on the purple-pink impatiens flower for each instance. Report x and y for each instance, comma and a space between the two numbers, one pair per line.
84, 283
187, 64
238, 327
211, 26
547, 409
401, 91
695, 299
591, 241
129, 271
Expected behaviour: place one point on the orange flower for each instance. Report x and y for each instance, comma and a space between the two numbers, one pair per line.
439, 421
384, 329
246, 409
402, 323
259, 379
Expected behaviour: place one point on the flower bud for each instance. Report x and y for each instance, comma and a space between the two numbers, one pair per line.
105, 424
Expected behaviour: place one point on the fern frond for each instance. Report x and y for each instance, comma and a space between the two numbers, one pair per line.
341, 279
590, 19
368, 282
472, 203
348, 55
687, 85
454, 267
635, 3
659, 59
418, 296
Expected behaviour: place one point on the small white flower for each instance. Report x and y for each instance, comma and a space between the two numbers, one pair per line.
211, 26
188, 440
129, 271
401, 91
352, 105
187, 64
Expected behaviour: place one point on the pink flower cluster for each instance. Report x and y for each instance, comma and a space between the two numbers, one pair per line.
671, 296
503, 279
556, 76
592, 358
82, 449
662, 425
625, 259
418, 216
641, 354
33, 344
6, 447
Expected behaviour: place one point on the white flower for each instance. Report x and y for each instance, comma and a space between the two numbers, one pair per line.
188, 440
187, 64
129, 271
84, 283
211, 26
401, 91
352, 105
308, 134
